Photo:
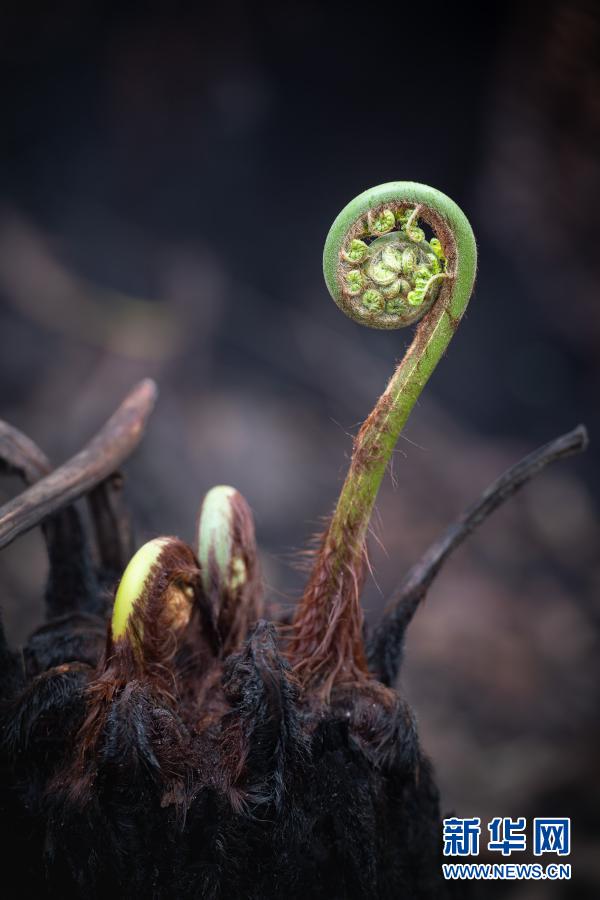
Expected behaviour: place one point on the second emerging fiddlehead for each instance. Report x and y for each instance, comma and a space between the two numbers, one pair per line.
382, 272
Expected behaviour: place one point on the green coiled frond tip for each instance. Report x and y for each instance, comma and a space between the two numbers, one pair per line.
397, 254
379, 265
403, 277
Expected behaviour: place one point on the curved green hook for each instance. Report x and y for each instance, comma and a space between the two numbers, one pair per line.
380, 210
382, 429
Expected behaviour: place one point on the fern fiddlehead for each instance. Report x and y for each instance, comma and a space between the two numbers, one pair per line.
382, 272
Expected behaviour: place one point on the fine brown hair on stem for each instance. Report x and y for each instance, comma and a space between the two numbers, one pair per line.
326, 646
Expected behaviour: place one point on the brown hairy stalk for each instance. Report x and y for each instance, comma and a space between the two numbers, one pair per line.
326, 646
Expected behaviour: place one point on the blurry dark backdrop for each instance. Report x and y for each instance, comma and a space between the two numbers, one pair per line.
167, 177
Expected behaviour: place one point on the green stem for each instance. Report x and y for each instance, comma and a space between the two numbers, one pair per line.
380, 433
342, 550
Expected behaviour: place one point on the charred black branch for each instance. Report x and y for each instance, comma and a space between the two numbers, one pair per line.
112, 525
105, 453
19, 455
71, 582
386, 644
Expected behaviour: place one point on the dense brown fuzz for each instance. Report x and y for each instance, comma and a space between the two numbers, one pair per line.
326, 646
237, 596
170, 615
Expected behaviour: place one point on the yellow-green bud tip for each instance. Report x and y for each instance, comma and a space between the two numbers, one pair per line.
133, 582
215, 533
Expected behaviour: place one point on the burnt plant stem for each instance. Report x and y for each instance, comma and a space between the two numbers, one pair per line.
19, 455
385, 646
112, 526
71, 581
100, 458
64, 533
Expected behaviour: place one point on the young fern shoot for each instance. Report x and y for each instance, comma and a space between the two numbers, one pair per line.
382, 272
175, 748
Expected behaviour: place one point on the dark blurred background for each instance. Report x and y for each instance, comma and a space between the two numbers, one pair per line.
167, 177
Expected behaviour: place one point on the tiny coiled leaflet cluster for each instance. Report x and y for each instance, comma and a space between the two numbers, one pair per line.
388, 268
